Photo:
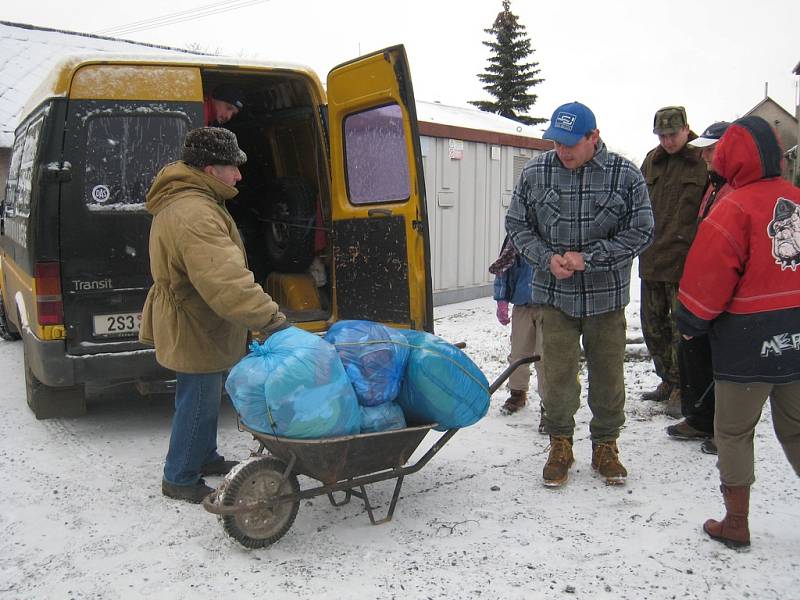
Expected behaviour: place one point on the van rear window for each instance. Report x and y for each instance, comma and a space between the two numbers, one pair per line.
376, 156
123, 154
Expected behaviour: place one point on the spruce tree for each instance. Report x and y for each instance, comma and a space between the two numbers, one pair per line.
508, 77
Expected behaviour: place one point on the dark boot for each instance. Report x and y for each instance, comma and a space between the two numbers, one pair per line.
709, 446
516, 400
733, 530
193, 493
218, 467
660, 394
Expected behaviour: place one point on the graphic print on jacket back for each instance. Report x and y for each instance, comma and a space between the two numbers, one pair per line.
784, 229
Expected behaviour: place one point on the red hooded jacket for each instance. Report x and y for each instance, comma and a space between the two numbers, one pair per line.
741, 282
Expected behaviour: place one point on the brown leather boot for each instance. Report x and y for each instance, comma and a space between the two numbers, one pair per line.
660, 394
560, 459
516, 400
605, 460
733, 530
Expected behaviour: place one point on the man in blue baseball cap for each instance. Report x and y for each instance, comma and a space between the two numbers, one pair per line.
580, 215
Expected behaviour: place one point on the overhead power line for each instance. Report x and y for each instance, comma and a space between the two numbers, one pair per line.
179, 17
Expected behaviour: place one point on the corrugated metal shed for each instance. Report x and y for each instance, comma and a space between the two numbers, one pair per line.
472, 160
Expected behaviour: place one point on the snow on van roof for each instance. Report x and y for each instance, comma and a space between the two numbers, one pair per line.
29, 53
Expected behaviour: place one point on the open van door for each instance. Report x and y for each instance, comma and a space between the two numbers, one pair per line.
381, 249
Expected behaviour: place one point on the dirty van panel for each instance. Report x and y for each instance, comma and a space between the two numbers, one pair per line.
117, 148
380, 232
373, 268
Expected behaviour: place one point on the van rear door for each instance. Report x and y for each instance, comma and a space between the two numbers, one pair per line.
381, 248
124, 122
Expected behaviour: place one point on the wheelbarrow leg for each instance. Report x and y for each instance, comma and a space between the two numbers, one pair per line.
363, 495
347, 494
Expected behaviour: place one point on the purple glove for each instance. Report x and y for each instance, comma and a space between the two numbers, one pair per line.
502, 312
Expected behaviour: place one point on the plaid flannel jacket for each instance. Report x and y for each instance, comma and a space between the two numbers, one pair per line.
600, 209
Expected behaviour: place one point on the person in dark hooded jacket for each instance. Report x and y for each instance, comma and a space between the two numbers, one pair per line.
741, 286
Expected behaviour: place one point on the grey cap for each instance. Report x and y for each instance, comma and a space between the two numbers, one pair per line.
212, 146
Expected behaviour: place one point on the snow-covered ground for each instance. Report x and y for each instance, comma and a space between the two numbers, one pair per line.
84, 517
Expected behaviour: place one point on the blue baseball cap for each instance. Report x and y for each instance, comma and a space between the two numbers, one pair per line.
570, 123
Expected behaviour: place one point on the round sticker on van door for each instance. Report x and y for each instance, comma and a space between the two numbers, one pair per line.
100, 193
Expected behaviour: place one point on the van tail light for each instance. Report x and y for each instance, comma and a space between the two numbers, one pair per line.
49, 302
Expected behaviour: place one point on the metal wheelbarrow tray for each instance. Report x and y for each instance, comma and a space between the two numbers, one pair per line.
259, 499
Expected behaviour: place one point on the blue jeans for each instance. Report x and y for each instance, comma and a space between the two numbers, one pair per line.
193, 441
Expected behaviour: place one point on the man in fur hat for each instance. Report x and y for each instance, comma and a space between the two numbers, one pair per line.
203, 300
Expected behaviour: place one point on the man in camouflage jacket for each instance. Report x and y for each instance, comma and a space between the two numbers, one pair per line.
676, 180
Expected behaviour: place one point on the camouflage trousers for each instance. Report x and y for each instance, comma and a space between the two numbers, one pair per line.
659, 303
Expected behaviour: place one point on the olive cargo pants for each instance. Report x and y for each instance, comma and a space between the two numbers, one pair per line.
604, 346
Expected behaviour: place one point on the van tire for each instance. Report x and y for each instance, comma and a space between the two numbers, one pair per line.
50, 402
289, 234
7, 331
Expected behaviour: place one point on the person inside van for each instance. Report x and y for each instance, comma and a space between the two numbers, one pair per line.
223, 104
203, 300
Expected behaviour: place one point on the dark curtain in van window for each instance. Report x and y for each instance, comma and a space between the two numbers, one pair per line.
123, 154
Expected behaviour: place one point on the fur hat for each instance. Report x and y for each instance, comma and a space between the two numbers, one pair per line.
212, 146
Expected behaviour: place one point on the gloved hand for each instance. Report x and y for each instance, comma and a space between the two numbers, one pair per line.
502, 312
265, 332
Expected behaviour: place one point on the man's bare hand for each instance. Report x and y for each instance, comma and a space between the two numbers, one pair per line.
559, 266
575, 261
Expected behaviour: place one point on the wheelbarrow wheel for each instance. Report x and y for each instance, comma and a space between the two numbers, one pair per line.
257, 481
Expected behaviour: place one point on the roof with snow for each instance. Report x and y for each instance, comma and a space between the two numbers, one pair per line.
28, 53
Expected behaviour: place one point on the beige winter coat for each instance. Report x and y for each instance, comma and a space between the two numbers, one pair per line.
203, 299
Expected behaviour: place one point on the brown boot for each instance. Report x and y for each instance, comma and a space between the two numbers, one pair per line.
605, 460
660, 394
673, 404
516, 400
733, 530
556, 469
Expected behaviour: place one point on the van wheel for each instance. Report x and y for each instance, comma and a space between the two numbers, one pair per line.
49, 402
7, 331
289, 235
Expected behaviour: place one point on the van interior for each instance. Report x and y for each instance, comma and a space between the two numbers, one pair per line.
282, 209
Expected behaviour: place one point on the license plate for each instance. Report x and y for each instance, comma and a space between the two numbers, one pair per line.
120, 324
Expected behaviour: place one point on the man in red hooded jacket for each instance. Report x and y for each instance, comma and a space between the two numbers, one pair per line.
741, 285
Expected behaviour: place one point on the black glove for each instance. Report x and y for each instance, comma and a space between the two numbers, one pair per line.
265, 332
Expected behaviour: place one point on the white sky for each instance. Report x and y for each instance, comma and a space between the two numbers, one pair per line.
624, 59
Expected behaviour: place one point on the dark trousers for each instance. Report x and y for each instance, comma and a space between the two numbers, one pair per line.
697, 383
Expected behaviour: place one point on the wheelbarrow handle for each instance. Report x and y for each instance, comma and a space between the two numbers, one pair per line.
509, 370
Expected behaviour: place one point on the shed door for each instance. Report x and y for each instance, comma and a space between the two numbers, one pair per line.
380, 231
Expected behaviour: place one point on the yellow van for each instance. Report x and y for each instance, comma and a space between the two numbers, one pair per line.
331, 206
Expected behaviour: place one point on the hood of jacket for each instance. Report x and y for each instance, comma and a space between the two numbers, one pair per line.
748, 151
178, 178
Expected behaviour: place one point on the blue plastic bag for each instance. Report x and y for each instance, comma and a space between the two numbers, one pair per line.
383, 417
374, 357
442, 384
294, 385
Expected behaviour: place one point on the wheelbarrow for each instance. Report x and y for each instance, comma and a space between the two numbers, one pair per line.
259, 499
